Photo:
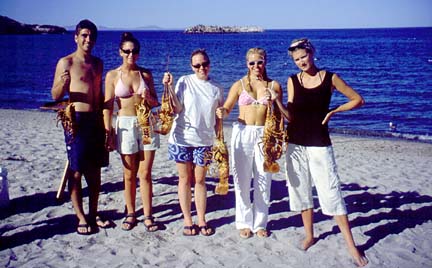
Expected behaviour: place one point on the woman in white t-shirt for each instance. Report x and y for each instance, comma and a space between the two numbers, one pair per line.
195, 101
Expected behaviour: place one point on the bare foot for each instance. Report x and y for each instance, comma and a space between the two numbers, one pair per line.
262, 233
359, 259
101, 223
307, 243
245, 233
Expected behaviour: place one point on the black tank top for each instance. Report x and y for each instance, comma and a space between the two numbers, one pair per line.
308, 110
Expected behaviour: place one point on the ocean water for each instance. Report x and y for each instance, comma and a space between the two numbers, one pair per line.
390, 68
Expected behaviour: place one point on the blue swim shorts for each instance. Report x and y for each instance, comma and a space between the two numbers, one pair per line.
86, 149
201, 156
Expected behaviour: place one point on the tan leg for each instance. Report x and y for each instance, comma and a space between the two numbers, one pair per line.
184, 191
307, 217
75, 189
342, 222
200, 194
130, 169
146, 187
93, 179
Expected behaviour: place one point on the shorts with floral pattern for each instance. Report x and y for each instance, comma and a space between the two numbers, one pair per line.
201, 155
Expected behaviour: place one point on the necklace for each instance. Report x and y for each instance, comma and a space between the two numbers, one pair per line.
302, 74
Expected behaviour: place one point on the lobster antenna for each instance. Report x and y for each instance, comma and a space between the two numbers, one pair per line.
167, 64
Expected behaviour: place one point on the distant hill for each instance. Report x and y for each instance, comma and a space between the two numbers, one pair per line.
105, 28
223, 29
10, 26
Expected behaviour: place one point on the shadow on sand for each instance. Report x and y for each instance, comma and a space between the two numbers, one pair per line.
397, 217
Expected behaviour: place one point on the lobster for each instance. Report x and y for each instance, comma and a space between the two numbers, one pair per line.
143, 113
221, 157
165, 114
67, 118
273, 139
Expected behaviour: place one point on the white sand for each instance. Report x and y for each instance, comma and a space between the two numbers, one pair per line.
386, 183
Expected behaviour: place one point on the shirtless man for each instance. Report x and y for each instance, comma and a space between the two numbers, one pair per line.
80, 76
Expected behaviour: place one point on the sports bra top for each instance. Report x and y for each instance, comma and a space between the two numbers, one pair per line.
123, 91
246, 99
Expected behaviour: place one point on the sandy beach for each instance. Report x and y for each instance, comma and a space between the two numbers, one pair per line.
386, 183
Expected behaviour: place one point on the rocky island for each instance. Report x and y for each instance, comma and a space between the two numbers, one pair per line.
10, 26
197, 29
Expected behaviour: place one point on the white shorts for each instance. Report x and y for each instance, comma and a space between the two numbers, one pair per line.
129, 136
308, 165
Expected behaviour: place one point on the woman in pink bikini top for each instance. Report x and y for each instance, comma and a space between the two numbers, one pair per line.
128, 85
123, 91
251, 91
252, 94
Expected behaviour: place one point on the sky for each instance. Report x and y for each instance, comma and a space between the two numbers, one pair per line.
180, 14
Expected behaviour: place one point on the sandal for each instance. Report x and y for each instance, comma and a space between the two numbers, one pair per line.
152, 227
189, 231
245, 233
129, 225
206, 230
81, 226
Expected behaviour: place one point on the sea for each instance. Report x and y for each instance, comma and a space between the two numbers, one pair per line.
391, 68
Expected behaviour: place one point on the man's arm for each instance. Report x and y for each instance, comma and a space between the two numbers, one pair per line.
98, 85
61, 79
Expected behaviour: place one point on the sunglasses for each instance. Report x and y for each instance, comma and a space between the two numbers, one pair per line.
259, 62
128, 51
303, 44
204, 65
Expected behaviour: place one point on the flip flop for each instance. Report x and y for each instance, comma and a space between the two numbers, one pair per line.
152, 227
206, 230
129, 225
86, 226
191, 229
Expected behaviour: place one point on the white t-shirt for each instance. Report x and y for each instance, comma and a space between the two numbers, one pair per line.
195, 125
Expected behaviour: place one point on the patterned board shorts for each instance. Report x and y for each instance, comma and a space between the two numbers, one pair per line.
201, 155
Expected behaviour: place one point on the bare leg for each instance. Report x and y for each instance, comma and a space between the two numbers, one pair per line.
307, 217
200, 194
184, 191
75, 189
130, 169
342, 222
93, 179
146, 186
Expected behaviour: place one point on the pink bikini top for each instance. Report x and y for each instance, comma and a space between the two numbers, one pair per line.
246, 99
122, 91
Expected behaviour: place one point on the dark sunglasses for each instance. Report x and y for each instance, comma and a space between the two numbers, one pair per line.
204, 65
259, 62
128, 51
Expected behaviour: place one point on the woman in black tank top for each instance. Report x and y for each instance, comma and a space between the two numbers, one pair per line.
309, 158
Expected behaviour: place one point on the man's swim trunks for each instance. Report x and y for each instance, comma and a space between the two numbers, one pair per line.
86, 149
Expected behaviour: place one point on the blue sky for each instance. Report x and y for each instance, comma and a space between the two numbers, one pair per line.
269, 14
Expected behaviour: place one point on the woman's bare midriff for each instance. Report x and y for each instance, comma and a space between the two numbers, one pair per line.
254, 114
127, 105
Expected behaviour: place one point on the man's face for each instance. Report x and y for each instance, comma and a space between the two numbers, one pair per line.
85, 40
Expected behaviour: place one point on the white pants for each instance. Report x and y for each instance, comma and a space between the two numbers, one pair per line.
308, 165
247, 164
